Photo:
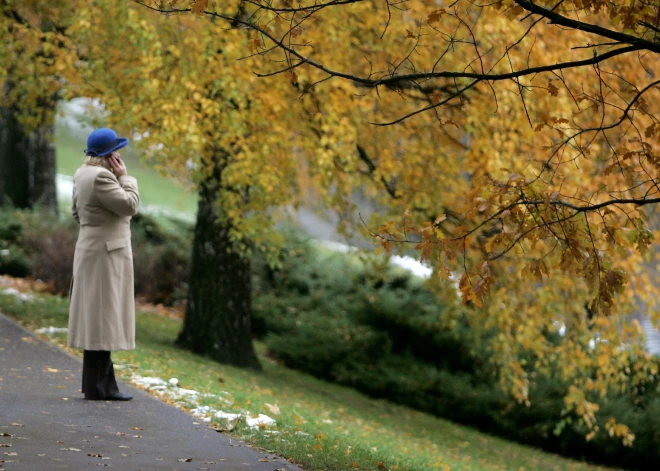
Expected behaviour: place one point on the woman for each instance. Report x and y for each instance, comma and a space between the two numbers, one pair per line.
102, 308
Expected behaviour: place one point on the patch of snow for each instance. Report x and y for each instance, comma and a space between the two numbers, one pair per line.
261, 419
190, 399
407, 263
64, 184
182, 392
148, 381
652, 336
17, 294
52, 330
412, 265
227, 415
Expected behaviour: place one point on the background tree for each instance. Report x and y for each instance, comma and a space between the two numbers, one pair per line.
255, 147
34, 53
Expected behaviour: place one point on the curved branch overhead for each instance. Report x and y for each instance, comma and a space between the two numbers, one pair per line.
629, 44
581, 80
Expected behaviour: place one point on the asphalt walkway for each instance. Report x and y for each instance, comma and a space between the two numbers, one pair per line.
45, 424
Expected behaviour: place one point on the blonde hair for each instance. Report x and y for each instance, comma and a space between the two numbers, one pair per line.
97, 161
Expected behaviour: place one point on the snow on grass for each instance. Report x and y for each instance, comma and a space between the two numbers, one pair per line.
17, 294
189, 399
52, 330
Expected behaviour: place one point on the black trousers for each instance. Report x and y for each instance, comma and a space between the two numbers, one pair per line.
98, 375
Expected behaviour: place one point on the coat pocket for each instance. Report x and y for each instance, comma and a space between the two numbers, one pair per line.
115, 244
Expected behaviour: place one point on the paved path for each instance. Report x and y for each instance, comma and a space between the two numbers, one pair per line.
46, 425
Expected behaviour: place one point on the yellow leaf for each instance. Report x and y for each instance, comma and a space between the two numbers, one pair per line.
435, 16
255, 43
199, 6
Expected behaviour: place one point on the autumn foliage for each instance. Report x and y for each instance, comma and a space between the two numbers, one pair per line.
513, 145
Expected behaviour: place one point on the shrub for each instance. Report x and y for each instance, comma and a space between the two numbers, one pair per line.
382, 333
10, 227
14, 262
38, 245
161, 271
50, 244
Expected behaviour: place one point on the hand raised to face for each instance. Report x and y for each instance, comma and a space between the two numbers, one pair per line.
117, 164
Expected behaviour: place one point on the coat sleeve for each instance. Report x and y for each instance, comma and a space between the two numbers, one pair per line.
74, 208
121, 197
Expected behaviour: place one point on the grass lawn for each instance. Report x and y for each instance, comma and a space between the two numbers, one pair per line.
319, 425
155, 190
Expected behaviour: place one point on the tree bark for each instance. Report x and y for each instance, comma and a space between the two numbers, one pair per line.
218, 312
27, 163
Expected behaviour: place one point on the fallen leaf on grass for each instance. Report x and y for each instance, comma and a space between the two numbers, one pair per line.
273, 408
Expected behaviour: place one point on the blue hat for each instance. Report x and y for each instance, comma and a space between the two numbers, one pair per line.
104, 141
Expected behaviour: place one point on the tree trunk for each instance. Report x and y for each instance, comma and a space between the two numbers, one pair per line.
27, 164
218, 312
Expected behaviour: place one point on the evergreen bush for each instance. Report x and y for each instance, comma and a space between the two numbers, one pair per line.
382, 333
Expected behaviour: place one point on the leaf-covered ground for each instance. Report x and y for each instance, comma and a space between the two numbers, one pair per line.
319, 425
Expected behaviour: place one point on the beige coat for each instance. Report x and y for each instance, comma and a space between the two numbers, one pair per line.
102, 309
